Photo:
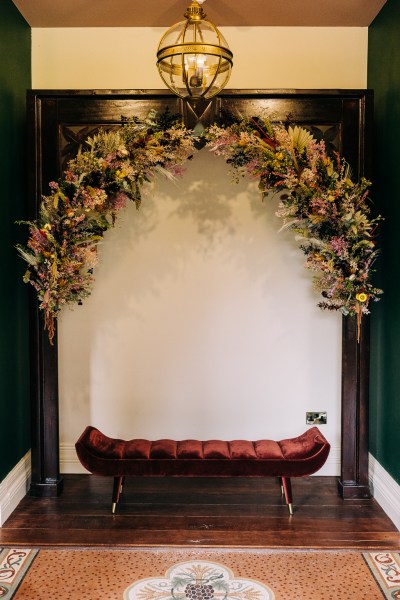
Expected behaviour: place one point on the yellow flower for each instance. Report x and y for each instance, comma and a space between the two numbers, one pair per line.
329, 166
47, 226
362, 297
120, 174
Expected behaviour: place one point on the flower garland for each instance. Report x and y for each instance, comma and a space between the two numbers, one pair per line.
319, 202
62, 248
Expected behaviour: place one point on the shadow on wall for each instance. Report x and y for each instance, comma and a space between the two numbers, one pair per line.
199, 310
198, 214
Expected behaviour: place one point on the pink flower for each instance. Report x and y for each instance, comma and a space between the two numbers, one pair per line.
92, 197
320, 206
339, 245
119, 201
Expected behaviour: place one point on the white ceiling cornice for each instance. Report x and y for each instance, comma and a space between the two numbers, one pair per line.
163, 13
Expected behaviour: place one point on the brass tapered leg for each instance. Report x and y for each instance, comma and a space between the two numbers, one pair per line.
287, 486
117, 487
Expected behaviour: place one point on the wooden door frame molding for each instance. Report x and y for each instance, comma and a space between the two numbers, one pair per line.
47, 108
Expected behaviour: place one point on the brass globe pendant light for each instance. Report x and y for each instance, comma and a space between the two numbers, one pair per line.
193, 57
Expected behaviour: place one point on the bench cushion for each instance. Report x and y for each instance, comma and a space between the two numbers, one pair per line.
295, 457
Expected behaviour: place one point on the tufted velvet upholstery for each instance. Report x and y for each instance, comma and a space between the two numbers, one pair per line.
294, 457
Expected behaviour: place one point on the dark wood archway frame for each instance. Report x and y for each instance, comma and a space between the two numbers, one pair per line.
52, 113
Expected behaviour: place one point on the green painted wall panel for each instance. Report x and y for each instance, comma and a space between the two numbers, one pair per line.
15, 78
384, 79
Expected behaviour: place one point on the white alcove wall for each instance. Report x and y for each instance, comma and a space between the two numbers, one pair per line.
202, 324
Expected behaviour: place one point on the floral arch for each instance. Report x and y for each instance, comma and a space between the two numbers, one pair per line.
327, 211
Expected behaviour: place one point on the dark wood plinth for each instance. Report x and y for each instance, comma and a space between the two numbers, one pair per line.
354, 492
50, 489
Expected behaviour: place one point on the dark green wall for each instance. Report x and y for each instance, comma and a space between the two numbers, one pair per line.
15, 78
384, 79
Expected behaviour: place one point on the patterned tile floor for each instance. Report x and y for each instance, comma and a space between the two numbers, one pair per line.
207, 574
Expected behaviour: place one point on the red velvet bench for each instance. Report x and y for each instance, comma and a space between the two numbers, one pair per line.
296, 457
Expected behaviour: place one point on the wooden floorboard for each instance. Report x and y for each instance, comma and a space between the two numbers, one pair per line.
232, 512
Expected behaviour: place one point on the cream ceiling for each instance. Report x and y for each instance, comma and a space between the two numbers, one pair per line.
163, 13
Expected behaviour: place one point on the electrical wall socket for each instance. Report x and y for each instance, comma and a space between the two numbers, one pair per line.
316, 418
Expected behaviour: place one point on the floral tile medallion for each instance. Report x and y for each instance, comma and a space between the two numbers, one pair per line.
198, 580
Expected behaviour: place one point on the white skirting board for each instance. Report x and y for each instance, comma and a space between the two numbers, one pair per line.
69, 462
14, 487
385, 490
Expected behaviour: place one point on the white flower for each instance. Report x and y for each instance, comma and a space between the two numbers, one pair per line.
300, 138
